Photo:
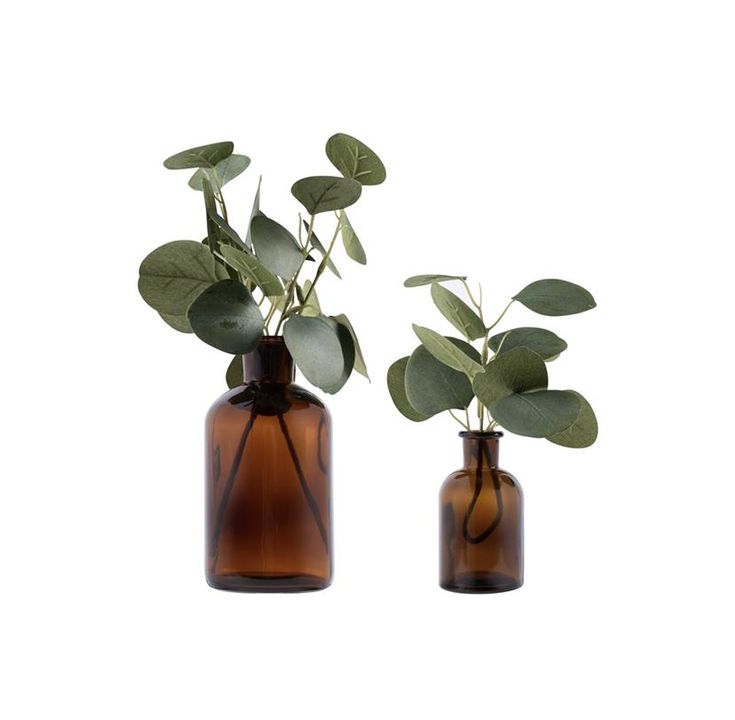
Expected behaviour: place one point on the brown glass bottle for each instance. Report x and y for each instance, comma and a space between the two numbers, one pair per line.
481, 522
268, 481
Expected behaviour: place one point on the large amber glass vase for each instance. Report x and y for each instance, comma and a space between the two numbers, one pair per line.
268, 475
481, 522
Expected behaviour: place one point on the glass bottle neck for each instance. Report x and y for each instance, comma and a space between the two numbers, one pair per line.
270, 362
481, 449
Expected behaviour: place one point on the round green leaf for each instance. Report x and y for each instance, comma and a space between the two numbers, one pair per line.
447, 352
173, 275
456, 310
583, 430
177, 322
353, 246
359, 359
348, 354
418, 280
322, 193
519, 370
555, 297
253, 269
536, 414
234, 374
355, 160
275, 246
397, 390
224, 171
544, 342
226, 317
204, 156
432, 386
317, 350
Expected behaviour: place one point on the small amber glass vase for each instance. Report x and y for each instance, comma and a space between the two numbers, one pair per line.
481, 522
268, 481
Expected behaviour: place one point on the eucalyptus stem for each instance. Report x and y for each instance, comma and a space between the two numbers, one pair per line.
323, 263
466, 427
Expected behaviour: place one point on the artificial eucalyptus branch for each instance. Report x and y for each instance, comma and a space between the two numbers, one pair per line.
210, 287
506, 377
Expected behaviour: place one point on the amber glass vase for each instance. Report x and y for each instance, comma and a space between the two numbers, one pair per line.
481, 522
268, 475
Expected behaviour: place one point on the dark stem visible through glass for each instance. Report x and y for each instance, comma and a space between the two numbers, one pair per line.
482, 450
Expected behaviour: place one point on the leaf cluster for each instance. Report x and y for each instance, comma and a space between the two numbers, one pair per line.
232, 287
507, 377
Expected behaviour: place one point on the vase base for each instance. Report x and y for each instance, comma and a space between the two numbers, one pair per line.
268, 583
482, 582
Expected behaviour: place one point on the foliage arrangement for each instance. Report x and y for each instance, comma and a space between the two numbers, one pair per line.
506, 377
231, 289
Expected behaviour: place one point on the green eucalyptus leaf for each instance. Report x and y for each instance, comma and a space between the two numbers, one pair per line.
397, 390
253, 269
454, 309
541, 413
226, 317
227, 230
432, 386
322, 193
173, 275
275, 246
447, 352
255, 211
583, 431
544, 342
317, 350
519, 370
355, 160
317, 244
360, 366
234, 375
348, 354
310, 307
352, 244
204, 156
177, 322
224, 171
418, 280
555, 297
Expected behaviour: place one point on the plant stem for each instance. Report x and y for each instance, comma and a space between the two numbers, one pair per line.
466, 427
310, 499
214, 547
323, 263
501, 316
476, 539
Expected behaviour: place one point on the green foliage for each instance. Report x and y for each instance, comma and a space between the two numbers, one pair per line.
224, 171
216, 289
447, 352
355, 160
510, 386
418, 280
555, 297
234, 375
275, 246
352, 244
397, 390
204, 156
519, 370
322, 193
432, 386
173, 275
318, 348
457, 312
583, 431
536, 414
544, 342
252, 268
225, 316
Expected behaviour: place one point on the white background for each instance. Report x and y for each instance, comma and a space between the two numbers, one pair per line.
592, 141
